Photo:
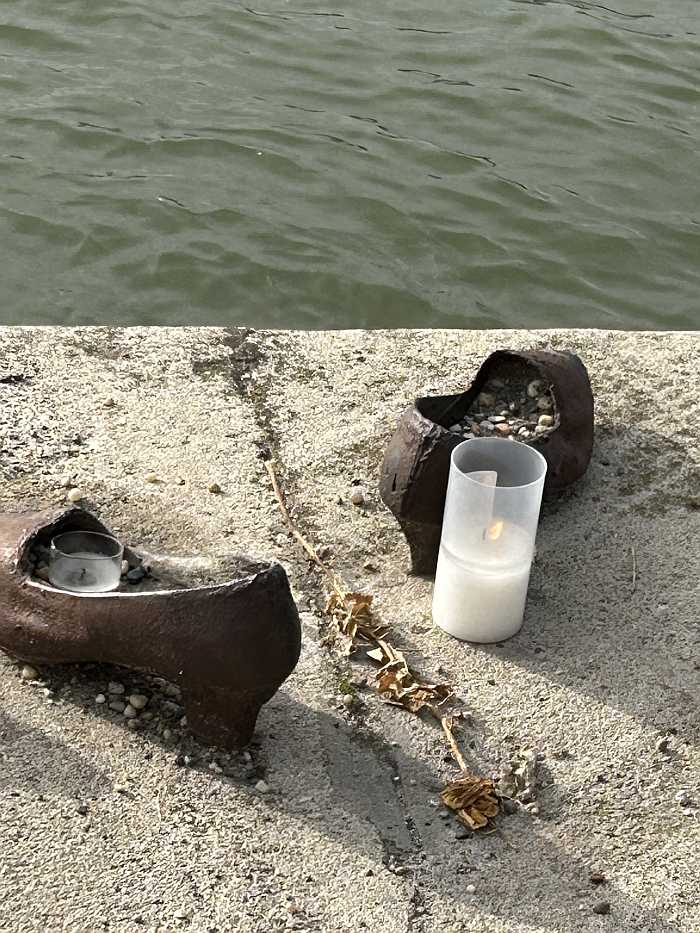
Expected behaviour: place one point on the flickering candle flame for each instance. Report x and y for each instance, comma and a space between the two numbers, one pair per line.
494, 532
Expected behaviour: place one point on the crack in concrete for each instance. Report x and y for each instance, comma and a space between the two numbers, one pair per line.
402, 845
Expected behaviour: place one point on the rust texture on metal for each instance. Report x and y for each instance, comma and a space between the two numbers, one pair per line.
413, 481
228, 646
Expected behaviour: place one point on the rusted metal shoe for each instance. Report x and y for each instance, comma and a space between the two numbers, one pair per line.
416, 466
228, 646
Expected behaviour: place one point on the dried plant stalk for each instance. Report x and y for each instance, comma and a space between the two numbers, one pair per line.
473, 799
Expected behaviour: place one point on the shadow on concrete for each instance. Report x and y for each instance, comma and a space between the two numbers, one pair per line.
337, 776
31, 761
391, 793
612, 602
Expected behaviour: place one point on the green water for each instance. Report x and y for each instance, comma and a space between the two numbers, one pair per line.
350, 164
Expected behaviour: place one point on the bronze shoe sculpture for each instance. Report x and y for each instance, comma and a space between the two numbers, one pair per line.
413, 481
228, 646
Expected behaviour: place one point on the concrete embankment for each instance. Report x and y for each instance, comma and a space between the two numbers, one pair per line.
107, 827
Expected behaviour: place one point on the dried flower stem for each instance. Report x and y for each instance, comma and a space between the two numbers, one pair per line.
333, 577
446, 723
396, 682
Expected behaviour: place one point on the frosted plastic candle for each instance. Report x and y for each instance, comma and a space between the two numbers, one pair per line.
488, 537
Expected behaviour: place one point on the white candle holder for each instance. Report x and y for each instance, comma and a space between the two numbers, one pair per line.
85, 562
488, 538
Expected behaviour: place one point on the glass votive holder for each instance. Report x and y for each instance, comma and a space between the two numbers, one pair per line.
85, 562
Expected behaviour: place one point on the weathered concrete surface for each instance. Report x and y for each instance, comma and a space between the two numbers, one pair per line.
349, 837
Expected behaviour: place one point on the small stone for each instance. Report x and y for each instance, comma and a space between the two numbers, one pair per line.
214, 488
116, 688
138, 700
486, 426
503, 429
82, 809
147, 715
602, 907
485, 400
133, 724
523, 432
66, 481
462, 834
109, 403
663, 744
167, 735
172, 690
168, 708
215, 767
136, 575
75, 495
129, 711
151, 478
513, 406
183, 721
534, 388
545, 421
121, 788
100, 699
470, 889
544, 404
182, 915
117, 706
29, 673
125, 567
540, 429
496, 419
597, 877
683, 798
357, 496
262, 787
456, 428
348, 699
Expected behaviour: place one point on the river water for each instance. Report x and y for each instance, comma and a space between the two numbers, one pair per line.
496, 163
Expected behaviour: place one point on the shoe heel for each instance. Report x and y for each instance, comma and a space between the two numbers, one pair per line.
222, 717
423, 543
